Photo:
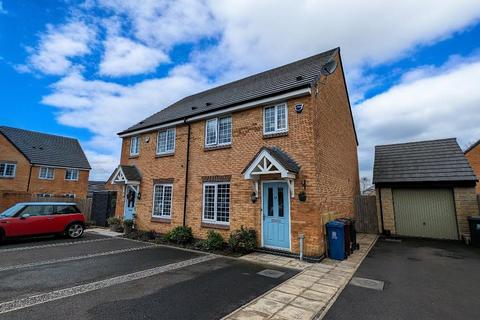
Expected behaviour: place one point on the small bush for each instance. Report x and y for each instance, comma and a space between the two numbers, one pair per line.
214, 241
128, 225
243, 240
180, 235
114, 220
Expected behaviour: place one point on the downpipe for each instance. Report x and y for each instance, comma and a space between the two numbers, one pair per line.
301, 237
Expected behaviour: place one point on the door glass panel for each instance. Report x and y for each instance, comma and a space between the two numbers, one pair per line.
280, 202
270, 202
131, 199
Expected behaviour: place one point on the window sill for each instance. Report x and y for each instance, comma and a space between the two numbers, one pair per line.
161, 220
133, 156
218, 147
163, 155
7, 177
215, 226
275, 135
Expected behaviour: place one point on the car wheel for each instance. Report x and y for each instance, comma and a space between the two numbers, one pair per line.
75, 230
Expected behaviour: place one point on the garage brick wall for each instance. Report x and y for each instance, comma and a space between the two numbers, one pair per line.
466, 205
388, 211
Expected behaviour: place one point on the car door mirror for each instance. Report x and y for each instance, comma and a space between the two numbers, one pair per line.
24, 216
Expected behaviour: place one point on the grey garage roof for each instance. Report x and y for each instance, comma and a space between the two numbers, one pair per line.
295, 75
424, 161
46, 149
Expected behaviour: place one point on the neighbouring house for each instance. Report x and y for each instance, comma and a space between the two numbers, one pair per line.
42, 165
424, 189
473, 156
271, 152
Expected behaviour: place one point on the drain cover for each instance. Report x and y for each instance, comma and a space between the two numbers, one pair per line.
367, 283
271, 273
393, 240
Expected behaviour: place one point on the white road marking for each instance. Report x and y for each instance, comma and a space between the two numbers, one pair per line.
60, 244
80, 289
88, 256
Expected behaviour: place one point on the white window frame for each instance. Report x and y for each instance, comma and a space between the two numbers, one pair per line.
135, 139
217, 131
166, 140
277, 106
4, 173
215, 217
46, 177
76, 177
169, 216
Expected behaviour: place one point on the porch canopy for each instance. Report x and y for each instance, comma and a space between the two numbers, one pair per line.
127, 175
272, 161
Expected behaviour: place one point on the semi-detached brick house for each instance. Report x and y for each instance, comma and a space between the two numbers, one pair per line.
473, 155
272, 152
33, 163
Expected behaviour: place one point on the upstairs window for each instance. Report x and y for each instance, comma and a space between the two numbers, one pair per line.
162, 200
46, 173
216, 203
7, 170
275, 119
134, 146
218, 131
166, 141
71, 174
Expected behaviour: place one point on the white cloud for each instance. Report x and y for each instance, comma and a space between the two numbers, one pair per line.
125, 57
58, 46
102, 164
442, 104
2, 9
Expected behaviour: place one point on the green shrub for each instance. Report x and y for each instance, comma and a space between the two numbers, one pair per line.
214, 241
180, 235
243, 240
114, 220
128, 225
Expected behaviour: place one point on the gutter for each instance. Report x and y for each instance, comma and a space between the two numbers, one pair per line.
187, 162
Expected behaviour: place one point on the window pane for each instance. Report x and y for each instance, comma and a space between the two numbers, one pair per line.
66, 209
2, 169
170, 140
38, 210
280, 202
270, 202
223, 202
158, 200
162, 142
281, 117
7, 169
49, 173
209, 202
225, 130
269, 119
134, 144
211, 136
167, 200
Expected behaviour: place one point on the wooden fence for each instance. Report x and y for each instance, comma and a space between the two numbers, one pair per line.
366, 214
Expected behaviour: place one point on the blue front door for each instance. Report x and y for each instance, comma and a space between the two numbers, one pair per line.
130, 203
276, 215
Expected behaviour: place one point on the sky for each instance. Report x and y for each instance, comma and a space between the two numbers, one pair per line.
89, 69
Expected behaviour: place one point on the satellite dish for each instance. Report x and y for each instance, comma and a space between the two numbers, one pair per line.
329, 68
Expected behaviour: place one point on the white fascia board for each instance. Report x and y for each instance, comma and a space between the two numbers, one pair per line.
150, 129
255, 103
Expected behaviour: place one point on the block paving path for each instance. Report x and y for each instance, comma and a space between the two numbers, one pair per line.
309, 294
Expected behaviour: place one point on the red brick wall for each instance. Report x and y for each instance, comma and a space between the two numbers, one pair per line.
473, 157
320, 139
9, 153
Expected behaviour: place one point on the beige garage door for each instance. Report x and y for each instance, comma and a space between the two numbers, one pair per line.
428, 213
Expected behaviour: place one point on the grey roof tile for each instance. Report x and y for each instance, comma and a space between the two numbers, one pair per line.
47, 149
294, 75
131, 173
424, 161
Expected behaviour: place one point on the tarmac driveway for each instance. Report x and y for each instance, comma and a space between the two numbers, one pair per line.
424, 279
98, 277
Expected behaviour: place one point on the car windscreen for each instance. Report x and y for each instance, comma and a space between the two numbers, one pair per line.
10, 212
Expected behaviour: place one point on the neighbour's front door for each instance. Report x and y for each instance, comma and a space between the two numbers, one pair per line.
276, 215
130, 202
